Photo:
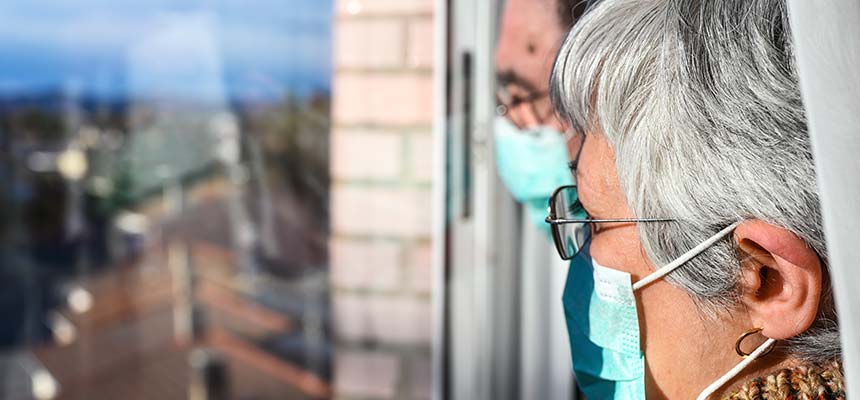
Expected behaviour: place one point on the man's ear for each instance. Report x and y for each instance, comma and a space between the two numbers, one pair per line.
781, 279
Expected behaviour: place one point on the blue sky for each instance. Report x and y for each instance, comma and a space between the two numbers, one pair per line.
254, 49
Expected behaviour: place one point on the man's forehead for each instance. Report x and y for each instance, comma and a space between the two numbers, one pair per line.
540, 5
528, 40
526, 12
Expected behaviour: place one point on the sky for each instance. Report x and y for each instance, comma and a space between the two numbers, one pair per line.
246, 49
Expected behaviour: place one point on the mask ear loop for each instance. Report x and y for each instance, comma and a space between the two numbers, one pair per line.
766, 347
662, 271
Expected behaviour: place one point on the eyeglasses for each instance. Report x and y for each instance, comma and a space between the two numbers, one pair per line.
571, 225
539, 105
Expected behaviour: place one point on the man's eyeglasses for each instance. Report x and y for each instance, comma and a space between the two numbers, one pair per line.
539, 107
571, 225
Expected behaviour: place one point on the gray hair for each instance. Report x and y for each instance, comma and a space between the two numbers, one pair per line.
700, 102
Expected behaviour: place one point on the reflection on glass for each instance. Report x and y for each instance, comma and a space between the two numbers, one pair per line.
163, 222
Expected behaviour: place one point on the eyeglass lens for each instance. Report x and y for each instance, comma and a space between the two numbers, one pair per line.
570, 238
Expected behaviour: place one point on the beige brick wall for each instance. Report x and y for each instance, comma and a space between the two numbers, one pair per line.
381, 165
395, 97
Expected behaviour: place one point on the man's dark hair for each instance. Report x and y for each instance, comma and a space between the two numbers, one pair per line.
570, 10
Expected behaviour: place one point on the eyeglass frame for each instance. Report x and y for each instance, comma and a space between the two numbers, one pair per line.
507, 102
555, 222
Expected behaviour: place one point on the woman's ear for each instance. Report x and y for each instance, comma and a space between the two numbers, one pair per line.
781, 279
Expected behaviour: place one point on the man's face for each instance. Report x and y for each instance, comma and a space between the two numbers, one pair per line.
528, 42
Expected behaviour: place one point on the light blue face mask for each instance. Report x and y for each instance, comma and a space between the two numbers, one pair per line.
532, 164
603, 327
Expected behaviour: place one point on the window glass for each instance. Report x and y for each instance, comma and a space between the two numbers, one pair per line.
164, 229
216, 199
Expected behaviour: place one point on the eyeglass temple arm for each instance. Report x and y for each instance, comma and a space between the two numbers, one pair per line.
589, 221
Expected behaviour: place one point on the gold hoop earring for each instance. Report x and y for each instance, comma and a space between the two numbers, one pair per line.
746, 335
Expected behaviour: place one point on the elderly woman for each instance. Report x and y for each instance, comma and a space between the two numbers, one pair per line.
698, 258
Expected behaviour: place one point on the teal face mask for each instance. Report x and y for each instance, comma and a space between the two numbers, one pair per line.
603, 327
532, 164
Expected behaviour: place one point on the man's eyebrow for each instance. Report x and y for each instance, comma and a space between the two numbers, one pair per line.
509, 77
